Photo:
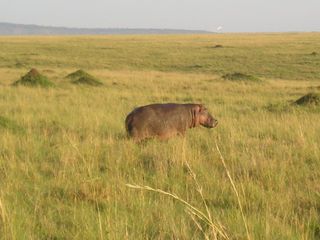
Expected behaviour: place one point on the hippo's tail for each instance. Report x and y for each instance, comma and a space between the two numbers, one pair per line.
128, 123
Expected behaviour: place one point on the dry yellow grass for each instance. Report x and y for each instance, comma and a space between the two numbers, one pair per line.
65, 158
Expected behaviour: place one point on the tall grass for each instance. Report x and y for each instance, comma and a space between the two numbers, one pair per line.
217, 229
235, 190
65, 157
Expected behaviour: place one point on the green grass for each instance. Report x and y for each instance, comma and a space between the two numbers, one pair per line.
7, 124
33, 79
268, 55
64, 175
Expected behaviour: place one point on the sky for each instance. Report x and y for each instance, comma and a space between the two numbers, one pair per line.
211, 15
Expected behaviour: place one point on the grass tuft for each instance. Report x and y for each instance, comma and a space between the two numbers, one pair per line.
88, 81
238, 76
34, 79
310, 99
78, 74
6, 123
20, 65
82, 77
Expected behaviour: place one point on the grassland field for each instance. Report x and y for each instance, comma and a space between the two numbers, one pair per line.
65, 159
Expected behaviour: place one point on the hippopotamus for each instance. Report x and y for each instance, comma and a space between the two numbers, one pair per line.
166, 120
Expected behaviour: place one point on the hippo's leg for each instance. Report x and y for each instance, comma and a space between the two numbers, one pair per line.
167, 134
181, 132
135, 135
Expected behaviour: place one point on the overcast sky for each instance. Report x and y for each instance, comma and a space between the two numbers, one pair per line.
231, 15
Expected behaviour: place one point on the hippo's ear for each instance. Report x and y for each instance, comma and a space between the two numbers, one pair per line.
201, 108
197, 108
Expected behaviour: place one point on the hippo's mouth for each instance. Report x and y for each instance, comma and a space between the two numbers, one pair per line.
212, 124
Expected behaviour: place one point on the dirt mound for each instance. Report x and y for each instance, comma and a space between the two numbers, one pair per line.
33, 79
309, 99
237, 76
77, 74
314, 54
218, 46
82, 77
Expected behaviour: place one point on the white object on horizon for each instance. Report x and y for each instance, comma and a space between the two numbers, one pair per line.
219, 28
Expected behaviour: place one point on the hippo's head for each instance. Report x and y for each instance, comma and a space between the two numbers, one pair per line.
204, 118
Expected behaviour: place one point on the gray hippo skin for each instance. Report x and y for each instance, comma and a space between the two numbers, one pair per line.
166, 120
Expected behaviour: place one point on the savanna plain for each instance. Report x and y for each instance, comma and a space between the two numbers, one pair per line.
68, 170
